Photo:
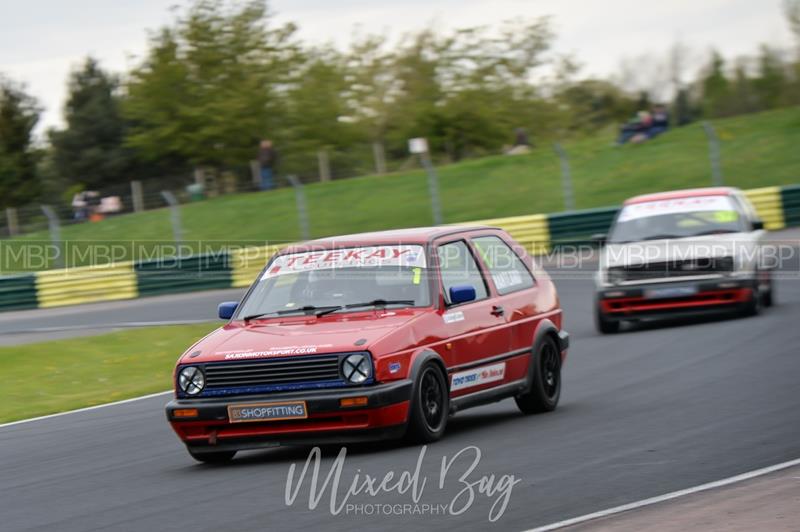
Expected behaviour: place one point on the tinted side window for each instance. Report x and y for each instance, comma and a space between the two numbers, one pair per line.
458, 267
508, 271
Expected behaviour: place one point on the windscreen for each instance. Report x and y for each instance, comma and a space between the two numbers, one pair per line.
390, 276
677, 218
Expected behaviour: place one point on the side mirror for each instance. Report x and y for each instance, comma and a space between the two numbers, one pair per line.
600, 239
227, 309
758, 225
462, 294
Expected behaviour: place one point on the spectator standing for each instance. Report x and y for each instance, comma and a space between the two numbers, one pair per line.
267, 161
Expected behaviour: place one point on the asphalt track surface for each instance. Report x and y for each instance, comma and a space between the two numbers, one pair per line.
649, 411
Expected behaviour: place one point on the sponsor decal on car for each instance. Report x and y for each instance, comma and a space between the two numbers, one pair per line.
477, 376
402, 255
267, 412
273, 352
635, 211
452, 317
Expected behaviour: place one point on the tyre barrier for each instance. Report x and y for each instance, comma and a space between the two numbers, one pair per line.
18, 292
87, 284
778, 207
183, 274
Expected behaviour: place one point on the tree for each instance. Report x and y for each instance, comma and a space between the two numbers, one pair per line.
792, 10
770, 83
19, 113
318, 116
716, 88
211, 85
90, 151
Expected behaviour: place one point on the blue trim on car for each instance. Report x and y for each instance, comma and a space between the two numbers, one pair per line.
244, 390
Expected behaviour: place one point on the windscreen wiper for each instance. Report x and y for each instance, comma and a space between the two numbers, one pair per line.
373, 303
716, 232
662, 237
307, 309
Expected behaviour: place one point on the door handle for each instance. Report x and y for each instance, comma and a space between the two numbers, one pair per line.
497, 310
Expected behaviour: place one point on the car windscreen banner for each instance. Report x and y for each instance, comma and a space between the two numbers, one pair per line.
411, 256
646, 209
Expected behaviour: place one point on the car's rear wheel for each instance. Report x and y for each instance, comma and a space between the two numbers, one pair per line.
430, 405
216, 457
545, 389
603, 324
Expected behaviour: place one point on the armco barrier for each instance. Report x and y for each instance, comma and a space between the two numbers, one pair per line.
183, 274
778, 206
86, 284
769, 206
531, 231
18, 292
790, 198
577, 227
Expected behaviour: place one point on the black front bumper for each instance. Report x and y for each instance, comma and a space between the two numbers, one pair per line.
213, 414
317, 401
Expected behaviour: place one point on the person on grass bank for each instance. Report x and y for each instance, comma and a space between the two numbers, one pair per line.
267, 161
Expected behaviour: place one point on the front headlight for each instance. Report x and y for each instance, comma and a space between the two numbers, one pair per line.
191, 380
356, 368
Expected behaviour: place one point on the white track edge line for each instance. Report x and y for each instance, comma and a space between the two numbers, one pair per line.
85, 409
667, 496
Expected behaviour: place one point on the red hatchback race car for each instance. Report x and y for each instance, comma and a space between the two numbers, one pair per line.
372, 336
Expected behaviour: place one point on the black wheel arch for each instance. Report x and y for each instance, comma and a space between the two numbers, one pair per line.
545, 329
425, 356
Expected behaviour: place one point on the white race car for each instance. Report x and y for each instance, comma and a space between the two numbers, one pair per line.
682, 252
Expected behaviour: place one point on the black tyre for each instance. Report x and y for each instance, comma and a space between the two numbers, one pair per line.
753, 307
603, 324
430, 405
546, 386
217, 457
768, 297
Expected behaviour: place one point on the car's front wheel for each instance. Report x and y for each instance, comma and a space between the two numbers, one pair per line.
430, 405
603, 324
216, 457
768, 296
545, 389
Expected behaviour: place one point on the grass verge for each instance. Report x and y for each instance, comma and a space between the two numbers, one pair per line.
757, 150
62, 375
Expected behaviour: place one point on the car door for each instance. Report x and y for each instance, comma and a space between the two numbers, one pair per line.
476, 330
515, 288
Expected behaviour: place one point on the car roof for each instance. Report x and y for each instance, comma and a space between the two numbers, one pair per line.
415, 235
686, 193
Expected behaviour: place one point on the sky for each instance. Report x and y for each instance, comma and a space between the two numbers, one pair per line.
42, 40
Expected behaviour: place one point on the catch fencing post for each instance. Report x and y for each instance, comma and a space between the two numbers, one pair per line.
255, 174
137, 196
324, 165
12, 221
55, 234
566, 178
174, 214
380, 157
302, 211
714, 154
419, 146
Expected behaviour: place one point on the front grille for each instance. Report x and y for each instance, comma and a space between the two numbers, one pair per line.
300, 372
673, 268
266, 372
